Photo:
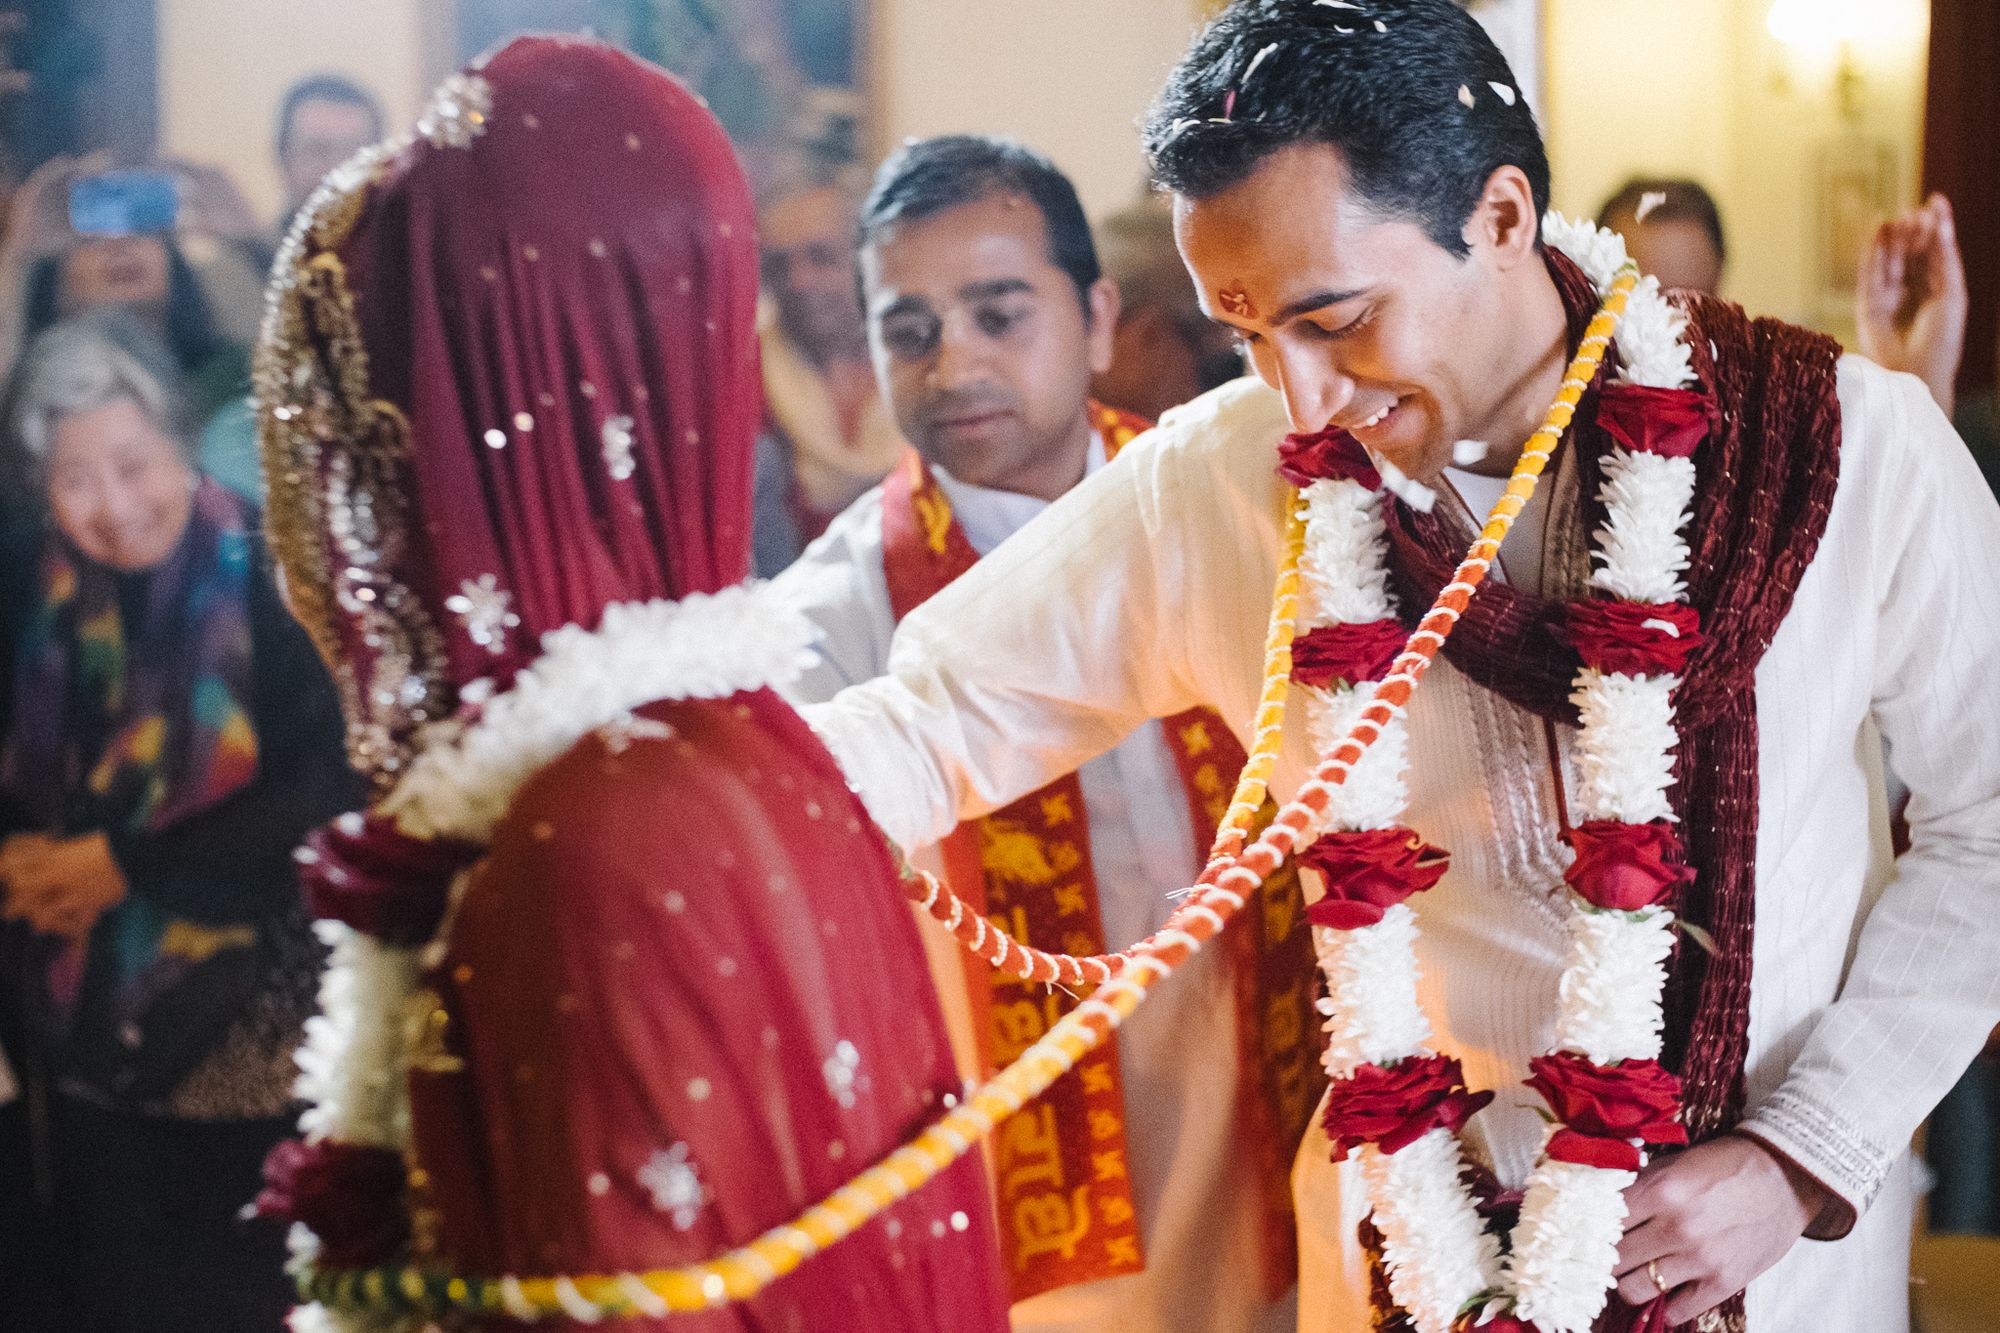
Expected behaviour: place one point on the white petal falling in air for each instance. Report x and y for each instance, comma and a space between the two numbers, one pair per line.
1406, 488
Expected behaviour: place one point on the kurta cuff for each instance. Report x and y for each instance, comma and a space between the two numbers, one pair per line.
1824, 1145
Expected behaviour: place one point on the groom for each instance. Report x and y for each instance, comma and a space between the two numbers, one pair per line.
1358, 191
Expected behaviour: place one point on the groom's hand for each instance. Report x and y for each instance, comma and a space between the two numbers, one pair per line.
1710, 1219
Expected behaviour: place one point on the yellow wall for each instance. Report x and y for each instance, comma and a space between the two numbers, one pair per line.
225, 65
1700, 88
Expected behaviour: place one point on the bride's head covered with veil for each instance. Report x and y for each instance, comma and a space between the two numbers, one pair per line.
615, 910
508, 378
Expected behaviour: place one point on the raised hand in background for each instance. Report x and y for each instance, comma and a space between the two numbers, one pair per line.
1910, 301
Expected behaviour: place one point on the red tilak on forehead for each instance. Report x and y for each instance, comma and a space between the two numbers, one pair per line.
1236, 301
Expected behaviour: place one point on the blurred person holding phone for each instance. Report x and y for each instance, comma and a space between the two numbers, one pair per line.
84, 236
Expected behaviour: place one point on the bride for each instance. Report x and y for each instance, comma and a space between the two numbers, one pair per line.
620, 973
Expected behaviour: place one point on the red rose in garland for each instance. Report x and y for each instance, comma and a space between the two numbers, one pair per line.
1328, 455
1633, 638
1672, 422
1394, 1106
1626, 867
1368, 872
1346, 651
349, 1196
1603, 1108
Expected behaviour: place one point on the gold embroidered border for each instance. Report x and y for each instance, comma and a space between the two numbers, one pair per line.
335, 464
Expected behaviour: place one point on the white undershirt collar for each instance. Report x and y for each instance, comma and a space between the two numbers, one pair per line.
989, 517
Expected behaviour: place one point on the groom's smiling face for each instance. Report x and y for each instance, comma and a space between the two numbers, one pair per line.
1360, 320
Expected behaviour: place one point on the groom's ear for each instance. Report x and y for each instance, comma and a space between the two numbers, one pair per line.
1504, 222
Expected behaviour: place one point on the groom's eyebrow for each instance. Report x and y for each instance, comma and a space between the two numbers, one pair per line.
1319, 300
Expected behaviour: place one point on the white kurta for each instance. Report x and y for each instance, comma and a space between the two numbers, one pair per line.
1145, 592
1177, 1058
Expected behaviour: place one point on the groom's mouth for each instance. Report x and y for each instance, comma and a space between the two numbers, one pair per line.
1379, 424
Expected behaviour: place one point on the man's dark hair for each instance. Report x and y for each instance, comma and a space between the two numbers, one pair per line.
1679, 201
327, 88
1414, 94
928, 176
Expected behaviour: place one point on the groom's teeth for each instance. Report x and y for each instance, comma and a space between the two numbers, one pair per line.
1376, 420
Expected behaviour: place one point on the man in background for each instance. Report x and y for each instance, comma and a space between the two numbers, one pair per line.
1672, 230
323, 121
1145, 1191
828, 436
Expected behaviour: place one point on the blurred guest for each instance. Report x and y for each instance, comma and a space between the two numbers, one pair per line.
55, 273
1673, 231
171, 737
1164, 350
828, 436
323, 121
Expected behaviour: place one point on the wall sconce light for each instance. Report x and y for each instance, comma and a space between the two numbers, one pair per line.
1829, 27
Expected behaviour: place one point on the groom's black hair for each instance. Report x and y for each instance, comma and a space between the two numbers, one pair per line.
1414, 94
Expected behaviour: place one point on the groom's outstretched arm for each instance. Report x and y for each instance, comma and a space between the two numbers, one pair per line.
1108, 609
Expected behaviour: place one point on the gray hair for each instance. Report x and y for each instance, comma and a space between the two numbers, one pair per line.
86, 363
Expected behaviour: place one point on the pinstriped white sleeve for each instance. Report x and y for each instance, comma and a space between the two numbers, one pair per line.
1923, 990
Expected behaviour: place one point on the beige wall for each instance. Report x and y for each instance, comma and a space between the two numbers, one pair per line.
1700, 88
225, 64
1070, 77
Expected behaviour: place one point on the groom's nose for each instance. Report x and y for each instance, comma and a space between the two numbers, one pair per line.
1315, 390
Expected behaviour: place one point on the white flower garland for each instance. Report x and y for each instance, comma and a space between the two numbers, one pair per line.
1437, 1249
700, 647
1440, 1257
355, 1058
